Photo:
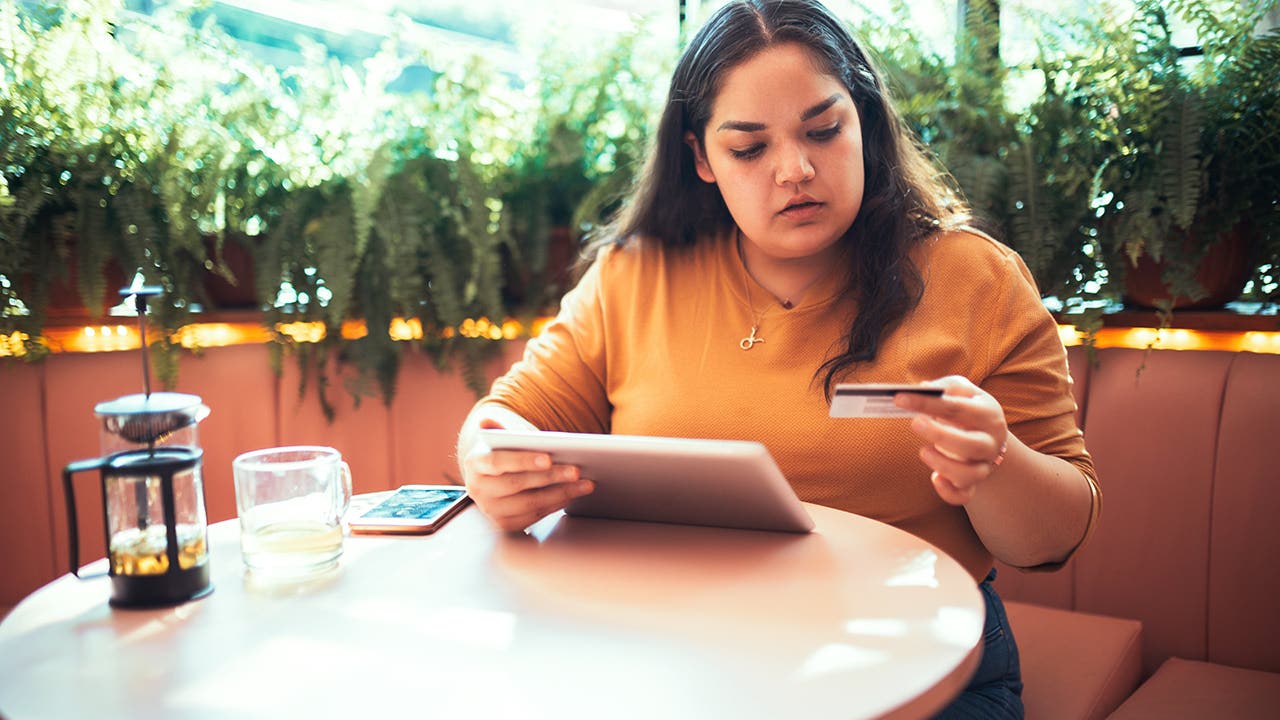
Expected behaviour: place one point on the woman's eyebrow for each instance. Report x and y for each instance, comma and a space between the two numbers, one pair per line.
741, 125
820, 108
809, 114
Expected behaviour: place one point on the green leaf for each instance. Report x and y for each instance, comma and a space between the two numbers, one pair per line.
1180, 168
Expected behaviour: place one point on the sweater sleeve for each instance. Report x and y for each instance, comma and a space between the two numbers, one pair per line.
1028, 370
1030, 378
559, 384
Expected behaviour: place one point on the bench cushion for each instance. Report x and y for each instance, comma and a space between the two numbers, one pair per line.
1074, 665
1191, 689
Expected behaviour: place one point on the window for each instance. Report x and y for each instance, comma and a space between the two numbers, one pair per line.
506, 33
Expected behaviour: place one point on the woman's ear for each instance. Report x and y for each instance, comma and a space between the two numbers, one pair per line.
699, 158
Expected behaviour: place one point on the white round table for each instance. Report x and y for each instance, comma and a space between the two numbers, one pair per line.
575, 618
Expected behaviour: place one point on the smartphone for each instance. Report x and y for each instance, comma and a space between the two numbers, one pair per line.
412, 510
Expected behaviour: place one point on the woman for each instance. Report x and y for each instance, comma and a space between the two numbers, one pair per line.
787, 235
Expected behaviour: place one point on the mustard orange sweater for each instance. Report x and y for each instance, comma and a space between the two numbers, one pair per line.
648, 344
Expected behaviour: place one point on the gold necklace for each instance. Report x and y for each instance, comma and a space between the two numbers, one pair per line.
752, 339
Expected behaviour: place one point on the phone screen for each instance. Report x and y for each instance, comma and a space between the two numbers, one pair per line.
410, 503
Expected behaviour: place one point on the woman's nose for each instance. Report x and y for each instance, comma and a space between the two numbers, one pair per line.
794, 167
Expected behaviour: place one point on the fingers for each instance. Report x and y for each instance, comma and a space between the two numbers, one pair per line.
955, 481
516, 488
949, 492
519, 511
955, 443
964, 432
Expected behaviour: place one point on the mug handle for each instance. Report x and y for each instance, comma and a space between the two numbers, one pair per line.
73, 524
345, 469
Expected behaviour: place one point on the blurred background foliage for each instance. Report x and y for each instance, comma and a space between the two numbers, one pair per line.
1138, 138
165, 150
409, 177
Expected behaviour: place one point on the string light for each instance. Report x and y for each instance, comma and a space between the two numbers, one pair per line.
354, 330
308, 332
13, 344
402, 329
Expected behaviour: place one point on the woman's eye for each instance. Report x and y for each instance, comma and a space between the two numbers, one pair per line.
826, 134
747, 153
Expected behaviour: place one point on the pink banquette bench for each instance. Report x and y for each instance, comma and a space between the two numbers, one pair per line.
1173, 608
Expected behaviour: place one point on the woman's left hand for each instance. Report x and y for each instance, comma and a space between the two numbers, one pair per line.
965, 436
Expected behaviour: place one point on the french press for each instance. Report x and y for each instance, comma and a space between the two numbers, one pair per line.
153, 497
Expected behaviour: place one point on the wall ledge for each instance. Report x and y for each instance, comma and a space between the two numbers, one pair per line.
1141, 329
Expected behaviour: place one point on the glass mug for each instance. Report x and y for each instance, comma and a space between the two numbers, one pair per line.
291, 501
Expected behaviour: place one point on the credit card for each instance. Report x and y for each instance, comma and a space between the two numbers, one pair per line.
874, 400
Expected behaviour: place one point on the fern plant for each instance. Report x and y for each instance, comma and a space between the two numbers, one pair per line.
1051, 165
1148, 185
1182, 149
956, 107
117, 153
1138, 150
591, 111
1240, 142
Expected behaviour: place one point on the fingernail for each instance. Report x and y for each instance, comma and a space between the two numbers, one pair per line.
584, 487
569, 473
542, 461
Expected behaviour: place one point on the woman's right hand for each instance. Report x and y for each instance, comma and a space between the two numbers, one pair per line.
516, 488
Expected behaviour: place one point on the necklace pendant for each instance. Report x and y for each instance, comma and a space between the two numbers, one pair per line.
750, 341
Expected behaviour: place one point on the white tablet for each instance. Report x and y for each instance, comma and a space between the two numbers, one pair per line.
724, 483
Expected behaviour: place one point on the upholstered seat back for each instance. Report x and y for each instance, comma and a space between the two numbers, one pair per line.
1186, 446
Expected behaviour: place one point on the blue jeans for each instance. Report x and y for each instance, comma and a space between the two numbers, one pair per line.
995, 692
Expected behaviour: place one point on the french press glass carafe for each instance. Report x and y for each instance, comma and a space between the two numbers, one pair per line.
153, 496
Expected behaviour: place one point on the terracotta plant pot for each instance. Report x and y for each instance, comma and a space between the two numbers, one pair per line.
562, 253
524, 286
238, 258
63, 300
1222, 273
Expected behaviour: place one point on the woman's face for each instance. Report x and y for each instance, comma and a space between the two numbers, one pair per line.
784, 145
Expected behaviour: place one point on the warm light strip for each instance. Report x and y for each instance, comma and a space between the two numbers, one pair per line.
206, 335
104, 338
1177, 339
92, 338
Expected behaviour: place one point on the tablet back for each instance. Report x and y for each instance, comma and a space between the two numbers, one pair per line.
723, 483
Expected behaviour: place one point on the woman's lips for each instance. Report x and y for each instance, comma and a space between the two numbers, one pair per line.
802, 210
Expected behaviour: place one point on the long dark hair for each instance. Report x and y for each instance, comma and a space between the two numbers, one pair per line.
905, 199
